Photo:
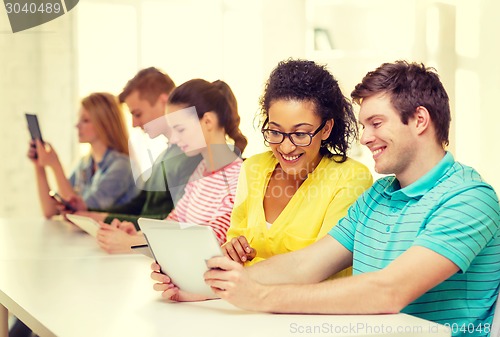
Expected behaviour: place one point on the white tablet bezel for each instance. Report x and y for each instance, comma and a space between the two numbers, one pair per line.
182, 251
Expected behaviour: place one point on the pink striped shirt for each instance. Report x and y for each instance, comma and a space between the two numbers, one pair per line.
209, 198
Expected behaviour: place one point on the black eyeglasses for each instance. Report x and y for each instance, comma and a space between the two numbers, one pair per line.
297, 138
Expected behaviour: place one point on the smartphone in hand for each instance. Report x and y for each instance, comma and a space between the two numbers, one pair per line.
54, 195
34, 128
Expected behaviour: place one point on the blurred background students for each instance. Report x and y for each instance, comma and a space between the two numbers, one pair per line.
292, 195
103, 177
146, 96
209, 197
201, 116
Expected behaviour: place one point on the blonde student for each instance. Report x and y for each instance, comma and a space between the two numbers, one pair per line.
102, 178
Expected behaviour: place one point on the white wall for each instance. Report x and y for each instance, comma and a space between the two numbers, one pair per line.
477, 116
36, 75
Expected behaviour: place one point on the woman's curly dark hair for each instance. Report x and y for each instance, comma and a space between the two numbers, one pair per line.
303, 80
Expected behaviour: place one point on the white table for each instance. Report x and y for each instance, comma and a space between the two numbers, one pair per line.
58, 281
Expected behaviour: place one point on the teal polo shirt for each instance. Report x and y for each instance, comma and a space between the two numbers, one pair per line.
449, 210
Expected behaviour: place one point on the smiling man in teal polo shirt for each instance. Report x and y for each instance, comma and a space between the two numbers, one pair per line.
424, 240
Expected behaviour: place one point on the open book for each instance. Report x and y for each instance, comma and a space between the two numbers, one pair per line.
182, 251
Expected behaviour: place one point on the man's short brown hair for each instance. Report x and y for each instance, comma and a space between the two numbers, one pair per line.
150, 83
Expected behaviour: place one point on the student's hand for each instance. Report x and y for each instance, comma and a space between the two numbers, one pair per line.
125, 226
112, 239
47, 156
239, 250
32, 155
230, 281
77, 202
63, 210
169, 290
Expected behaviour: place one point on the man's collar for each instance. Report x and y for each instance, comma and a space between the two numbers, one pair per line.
425, 183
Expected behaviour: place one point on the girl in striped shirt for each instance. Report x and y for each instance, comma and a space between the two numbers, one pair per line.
201, 116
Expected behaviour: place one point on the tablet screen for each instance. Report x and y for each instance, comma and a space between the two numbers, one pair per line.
33, 126
182, 251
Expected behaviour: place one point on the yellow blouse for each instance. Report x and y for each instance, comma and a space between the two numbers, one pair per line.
321, 200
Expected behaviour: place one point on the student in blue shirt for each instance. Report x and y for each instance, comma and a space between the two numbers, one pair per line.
423, 241
103, 178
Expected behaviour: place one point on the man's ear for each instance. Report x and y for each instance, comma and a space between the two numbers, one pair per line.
422, 119
163, 98
327, 129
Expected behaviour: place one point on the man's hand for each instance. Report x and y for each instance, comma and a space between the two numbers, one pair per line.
230, 281
114, 240
125, 226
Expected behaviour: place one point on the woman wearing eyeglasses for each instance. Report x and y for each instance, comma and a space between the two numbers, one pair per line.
291, 196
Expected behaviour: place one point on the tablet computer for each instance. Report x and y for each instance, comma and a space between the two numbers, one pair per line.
86, 223
182, 251
34, 127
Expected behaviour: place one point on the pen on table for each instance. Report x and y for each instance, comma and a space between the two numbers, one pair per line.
139, 246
